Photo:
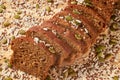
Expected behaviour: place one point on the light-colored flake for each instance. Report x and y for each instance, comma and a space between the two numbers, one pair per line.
36, 39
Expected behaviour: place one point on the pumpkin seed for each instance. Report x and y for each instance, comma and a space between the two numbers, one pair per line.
108, 57
1, 10
99, 48
78, 37
9, 65
51, 49
68, 18
48, 9
71, 72
8, 78
17, 16
116, 78
13, 37
6, 60
49, 1
88, 3
3, 6
19, 12
4, 41
101, 59
113, 42
1, 69
65, 74
22, 32
37, 6
100, 54
6, 24
76, 11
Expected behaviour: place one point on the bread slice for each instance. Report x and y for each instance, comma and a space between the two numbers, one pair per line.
63, 50
31, 57
84, 26
104, 7
94, 18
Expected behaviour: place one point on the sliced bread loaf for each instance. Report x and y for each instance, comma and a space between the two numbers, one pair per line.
62, 49
71, 35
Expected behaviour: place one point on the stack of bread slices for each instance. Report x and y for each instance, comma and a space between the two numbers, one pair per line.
63, 39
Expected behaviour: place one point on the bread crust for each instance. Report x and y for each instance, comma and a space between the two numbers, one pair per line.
30, 57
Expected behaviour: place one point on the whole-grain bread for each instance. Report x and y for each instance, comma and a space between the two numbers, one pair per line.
63, 50
61, 40
31, 57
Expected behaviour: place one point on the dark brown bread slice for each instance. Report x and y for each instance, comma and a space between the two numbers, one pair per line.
31, 57
60, 33
93, 17
103, 7
86, 26
63, 50
92, 31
